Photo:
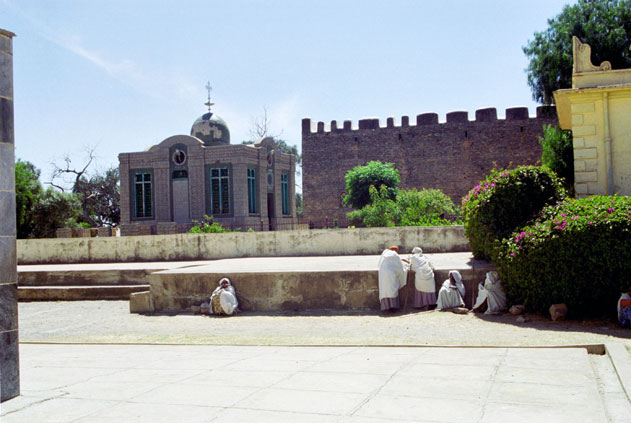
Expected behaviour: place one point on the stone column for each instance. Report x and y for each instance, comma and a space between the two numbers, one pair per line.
9, 364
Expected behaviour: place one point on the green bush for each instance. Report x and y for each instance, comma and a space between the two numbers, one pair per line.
361, 178
577, 252
410, 208
504, 201
207, 226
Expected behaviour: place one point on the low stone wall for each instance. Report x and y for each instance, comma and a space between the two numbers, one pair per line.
320, 242
288, 291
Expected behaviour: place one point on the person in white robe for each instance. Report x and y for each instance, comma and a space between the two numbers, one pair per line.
424, 284
491, 297
452, 292
223, 300
392, 277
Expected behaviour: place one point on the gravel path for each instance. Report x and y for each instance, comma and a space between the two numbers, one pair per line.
111, 322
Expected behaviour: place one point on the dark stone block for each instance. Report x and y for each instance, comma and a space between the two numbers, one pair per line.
486, 115
405, 121
333, 125
427, 119
8, 260
348, 125
6, 120
547, 112
320, 127
517, 113
7, 211
390, 122
458, 117
9, 365
8, 306
306, 126
7, 173
369, 124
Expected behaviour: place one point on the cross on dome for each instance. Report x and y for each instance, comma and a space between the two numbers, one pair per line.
209, 89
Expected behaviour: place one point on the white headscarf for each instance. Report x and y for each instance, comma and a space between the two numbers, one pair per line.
458, 280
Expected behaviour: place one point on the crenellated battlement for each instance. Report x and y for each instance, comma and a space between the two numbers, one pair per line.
426, 119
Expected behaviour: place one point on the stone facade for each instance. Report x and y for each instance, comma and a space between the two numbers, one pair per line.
452, 156
185, 177
9, 363
598, 111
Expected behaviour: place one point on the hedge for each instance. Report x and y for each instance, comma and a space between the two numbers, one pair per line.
577, 252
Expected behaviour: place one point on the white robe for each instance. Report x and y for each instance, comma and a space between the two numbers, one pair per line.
227, 298
493, 293
451, 296
424, 278
392, 275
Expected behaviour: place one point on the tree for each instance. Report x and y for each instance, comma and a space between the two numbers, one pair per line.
27, 192
360, 178
603, 24
54, 210
299, 205
40, 212
558, 153
99, 195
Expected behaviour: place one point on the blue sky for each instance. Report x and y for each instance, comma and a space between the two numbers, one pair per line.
124, 75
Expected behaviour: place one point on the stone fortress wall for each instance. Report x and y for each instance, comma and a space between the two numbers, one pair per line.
452, 156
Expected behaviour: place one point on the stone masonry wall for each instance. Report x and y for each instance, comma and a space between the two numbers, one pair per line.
9, 367
452, 156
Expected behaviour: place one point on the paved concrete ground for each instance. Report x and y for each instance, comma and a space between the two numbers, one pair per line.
136, 383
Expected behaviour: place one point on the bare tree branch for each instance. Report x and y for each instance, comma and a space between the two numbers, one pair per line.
260, 127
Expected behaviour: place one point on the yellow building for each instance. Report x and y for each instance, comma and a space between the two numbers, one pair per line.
598, 111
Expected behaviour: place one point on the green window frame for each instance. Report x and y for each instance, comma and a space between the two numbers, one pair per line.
219, 191
252, 203
143, 194
284, 191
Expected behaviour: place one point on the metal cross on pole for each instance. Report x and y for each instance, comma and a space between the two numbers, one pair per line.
209, 89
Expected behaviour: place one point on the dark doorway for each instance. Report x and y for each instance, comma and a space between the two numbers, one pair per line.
270, 211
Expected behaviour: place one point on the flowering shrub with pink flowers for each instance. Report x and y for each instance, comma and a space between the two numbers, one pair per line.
577, 252
504, 201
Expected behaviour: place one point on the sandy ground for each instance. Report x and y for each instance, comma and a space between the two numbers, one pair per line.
111, 322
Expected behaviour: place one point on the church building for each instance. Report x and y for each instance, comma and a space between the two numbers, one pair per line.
184, 177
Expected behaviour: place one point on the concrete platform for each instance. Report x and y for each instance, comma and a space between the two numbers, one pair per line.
298, 283
162, 383
262, 283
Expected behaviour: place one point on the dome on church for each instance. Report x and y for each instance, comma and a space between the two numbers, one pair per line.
211, 129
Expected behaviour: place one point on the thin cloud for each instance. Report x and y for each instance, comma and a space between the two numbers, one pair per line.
128, 72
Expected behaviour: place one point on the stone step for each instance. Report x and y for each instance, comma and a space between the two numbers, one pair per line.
67, 275
78, 293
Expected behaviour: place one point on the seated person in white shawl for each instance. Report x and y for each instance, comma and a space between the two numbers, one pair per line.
392, 277
224, 299
424, 284
491, 297
452, 292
